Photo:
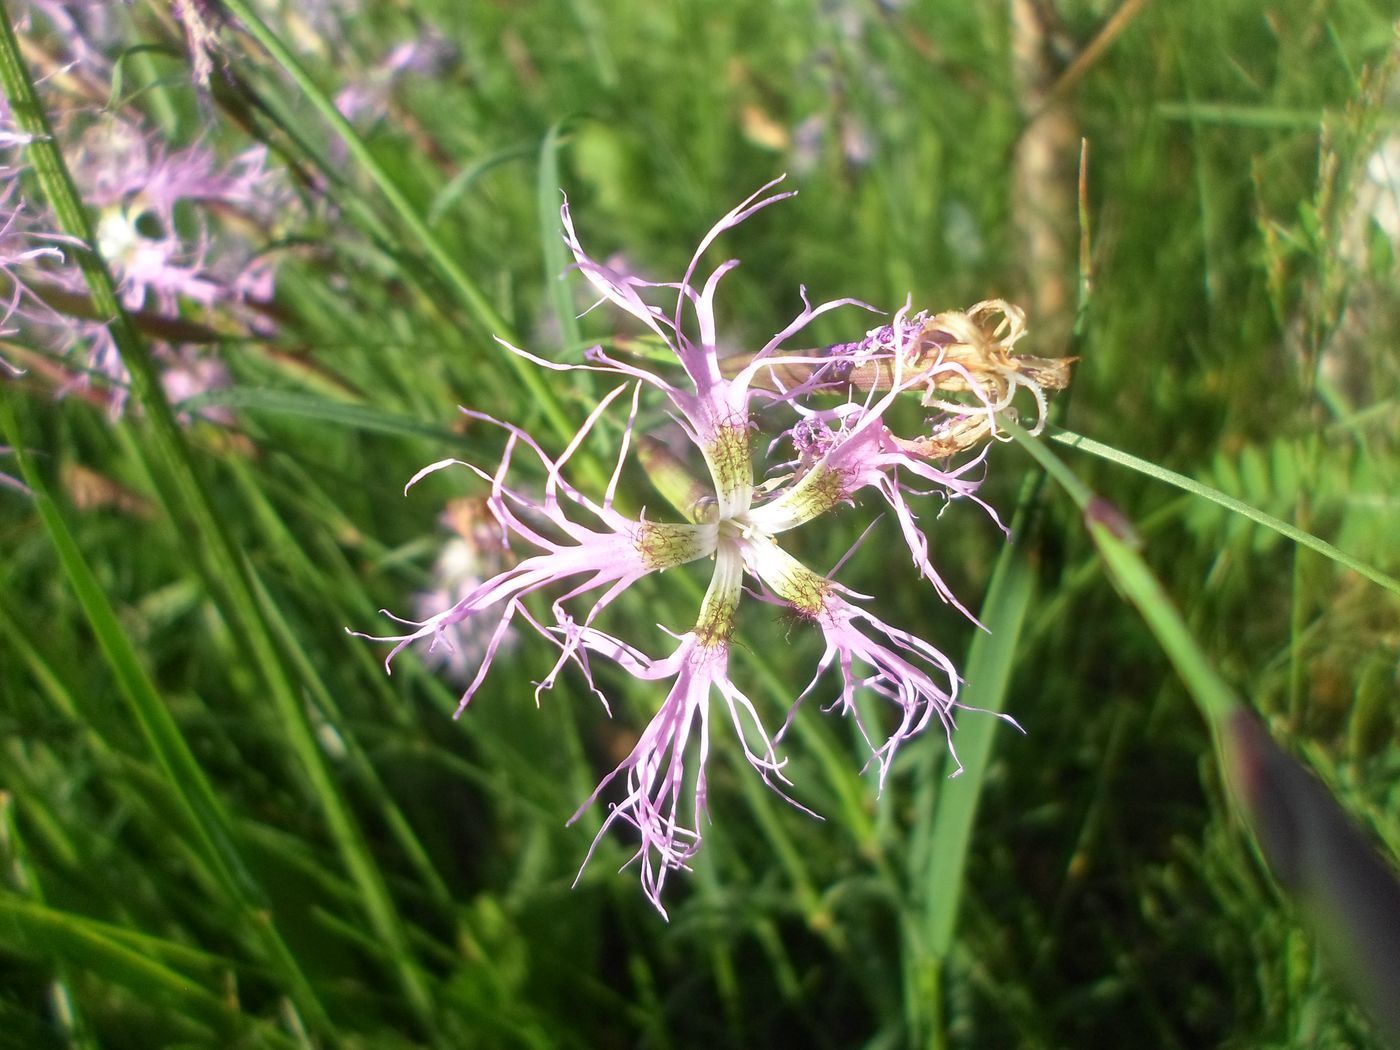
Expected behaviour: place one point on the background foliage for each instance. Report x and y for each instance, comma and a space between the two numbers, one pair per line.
221, 823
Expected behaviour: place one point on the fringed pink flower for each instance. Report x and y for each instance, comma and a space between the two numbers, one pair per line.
589, 553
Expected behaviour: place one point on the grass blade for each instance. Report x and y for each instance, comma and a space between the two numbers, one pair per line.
213, 550
204, 814
1194, 487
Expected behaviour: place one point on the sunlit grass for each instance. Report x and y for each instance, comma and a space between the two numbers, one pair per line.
220, 819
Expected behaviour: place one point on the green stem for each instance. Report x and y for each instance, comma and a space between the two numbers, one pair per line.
1118, 546
1194, 487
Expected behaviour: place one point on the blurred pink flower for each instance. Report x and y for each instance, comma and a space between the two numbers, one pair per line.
366, 97
474, 553
166, 221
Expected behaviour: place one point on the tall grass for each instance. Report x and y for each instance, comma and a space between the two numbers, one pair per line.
221, 823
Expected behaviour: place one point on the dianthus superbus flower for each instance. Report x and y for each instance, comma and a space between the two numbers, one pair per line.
588, 553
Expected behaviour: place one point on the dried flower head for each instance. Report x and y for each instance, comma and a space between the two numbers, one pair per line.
957, 351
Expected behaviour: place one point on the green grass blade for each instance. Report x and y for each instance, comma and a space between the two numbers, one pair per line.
63, 1002
1118, 547
390, 811
350, 416
1239, 115
1194, 487
1311, 845
941, 863
556, 256
458, 186
946, 806
212, 549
